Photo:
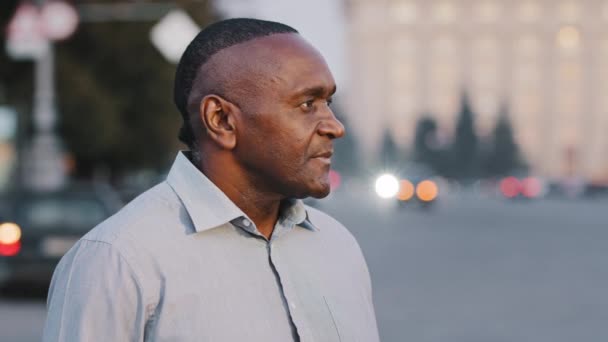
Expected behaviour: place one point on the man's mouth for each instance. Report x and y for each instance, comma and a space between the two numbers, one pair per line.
324, 157
326, 154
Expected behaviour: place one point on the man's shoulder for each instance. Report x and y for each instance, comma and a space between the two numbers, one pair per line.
142, 215
328, 225
318, 217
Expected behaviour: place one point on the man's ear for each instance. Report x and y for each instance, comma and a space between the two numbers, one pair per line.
218, 118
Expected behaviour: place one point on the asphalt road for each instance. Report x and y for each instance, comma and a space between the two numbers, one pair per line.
472, 269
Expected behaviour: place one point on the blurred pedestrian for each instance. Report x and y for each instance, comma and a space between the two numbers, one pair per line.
224, 249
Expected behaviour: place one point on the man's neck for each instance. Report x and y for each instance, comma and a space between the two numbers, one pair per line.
261, 207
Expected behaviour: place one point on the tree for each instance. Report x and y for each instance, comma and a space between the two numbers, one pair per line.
503, 155
464, 156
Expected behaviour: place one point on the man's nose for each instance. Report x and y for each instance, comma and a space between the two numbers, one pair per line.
331, 127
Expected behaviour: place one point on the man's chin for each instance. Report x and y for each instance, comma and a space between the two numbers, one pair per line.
321, 192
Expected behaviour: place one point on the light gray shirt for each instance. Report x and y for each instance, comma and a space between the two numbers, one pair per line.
183, 263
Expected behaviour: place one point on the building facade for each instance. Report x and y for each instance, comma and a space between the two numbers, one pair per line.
546, 60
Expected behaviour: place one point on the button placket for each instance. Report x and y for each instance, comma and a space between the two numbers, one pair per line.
289, 295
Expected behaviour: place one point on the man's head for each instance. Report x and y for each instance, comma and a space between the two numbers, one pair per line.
255, 97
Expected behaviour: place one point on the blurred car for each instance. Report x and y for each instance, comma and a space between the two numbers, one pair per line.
40, 227
414, 187
523, 187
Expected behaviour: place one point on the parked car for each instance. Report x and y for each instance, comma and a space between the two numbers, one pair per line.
40, 227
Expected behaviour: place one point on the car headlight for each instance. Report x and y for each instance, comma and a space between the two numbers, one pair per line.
387, 186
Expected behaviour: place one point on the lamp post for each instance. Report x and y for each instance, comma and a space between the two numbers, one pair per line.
31, 32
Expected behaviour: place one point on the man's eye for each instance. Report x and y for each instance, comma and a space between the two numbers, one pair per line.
307, 106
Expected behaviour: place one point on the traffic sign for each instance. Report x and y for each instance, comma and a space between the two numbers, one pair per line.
172, 34
24, 36
58, 20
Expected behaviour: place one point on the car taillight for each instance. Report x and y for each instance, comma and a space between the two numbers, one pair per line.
10, 249
510, 187
10, 239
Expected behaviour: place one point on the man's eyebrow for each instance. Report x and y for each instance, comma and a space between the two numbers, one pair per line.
318, 91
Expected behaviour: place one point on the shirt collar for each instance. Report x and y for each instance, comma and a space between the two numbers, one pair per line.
209, 207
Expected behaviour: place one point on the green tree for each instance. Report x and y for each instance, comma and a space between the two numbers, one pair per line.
464, 156
503, 156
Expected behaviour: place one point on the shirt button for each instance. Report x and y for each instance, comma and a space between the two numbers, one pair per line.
246, 223
292, 305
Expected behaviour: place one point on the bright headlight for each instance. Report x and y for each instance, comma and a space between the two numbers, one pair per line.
387, 186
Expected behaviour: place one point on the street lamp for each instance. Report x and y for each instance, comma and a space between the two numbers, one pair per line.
31, 32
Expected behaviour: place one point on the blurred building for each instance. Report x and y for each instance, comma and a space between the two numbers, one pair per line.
546, 59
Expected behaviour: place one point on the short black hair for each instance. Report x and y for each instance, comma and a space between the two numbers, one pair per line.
209, 41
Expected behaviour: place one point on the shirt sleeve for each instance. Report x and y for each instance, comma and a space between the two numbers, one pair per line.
94, 296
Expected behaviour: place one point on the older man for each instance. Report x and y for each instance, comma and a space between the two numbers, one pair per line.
224, 249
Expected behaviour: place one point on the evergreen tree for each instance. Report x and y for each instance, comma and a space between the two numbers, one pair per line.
464, 152
503, 155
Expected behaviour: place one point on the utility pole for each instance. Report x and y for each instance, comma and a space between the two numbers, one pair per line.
31, 33
44, 164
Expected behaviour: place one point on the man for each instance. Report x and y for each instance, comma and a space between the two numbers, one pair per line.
224, 249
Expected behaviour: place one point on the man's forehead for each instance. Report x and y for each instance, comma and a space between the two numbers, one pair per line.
267, 53
281, 61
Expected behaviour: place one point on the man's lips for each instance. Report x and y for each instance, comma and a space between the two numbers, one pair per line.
326, 154
324, 157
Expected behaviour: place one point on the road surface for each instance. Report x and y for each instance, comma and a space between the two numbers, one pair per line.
472, 269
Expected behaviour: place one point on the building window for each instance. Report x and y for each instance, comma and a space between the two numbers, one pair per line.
485, 76
403, 46
485, 46
528, 46
404, 75
569, 11
444, 12
527, 75
529, 11
568, 38
404, 12
444, 45
605, 11
488, 11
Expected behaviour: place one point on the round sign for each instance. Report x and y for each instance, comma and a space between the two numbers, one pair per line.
24, 39
58, 19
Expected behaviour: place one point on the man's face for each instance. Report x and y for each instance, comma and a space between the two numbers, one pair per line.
285, 138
